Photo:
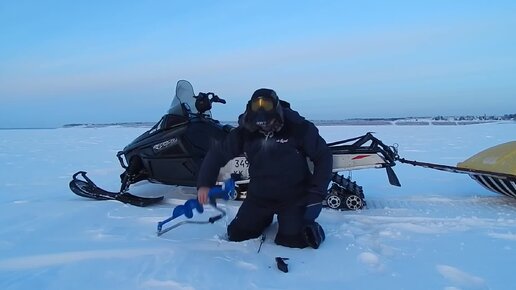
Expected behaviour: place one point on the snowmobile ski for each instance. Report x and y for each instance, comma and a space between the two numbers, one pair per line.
87, 188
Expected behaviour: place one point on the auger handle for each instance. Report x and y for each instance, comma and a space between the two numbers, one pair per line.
213, 219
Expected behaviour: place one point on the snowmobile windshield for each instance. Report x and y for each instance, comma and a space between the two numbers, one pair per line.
183, 103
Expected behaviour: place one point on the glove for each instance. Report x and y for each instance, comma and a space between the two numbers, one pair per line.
313, 206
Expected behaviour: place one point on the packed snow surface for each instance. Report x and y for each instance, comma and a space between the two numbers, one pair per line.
439, 230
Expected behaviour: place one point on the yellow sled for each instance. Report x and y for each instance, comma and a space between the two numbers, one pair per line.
494, 168
499, 160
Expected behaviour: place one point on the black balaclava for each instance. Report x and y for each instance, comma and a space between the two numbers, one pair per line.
263, 112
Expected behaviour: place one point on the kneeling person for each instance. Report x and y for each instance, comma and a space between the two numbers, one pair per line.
276, 141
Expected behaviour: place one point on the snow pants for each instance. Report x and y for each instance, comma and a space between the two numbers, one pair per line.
254, 217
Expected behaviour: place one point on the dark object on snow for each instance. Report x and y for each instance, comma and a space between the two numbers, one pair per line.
262, 240
282, 266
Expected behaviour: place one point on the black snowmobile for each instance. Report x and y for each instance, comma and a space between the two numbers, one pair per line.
171, 153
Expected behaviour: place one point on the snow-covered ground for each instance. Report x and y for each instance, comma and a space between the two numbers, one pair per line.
439, 230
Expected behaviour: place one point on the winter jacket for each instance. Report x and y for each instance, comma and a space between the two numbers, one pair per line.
278, 165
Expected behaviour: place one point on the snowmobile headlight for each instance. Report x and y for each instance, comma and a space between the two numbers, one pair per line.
262, 103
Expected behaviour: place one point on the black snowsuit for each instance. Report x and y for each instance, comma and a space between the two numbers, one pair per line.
281, 181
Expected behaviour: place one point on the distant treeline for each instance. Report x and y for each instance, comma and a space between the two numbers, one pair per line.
475, 118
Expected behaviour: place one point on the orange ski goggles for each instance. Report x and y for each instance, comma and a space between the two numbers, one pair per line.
262, 103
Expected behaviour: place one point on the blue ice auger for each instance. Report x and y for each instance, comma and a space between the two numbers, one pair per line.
226, 191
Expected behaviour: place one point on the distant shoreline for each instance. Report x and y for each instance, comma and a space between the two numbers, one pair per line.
347, 122
350, 122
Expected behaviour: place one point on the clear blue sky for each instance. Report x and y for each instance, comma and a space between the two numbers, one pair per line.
113, 61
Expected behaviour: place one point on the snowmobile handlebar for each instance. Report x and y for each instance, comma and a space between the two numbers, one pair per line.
203, 101
216, 99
